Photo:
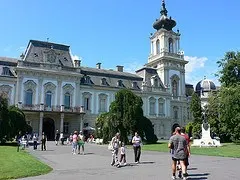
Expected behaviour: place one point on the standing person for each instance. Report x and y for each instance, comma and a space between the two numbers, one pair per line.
57, 137
44, 139
74, 142
18, 139
115, 142
80, 142
137, 141
35, 142
62, 138
183, 133
179, 145
123, 154
71, 138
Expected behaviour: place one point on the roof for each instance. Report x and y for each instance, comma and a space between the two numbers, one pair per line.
6, 61
110, 73
46, 44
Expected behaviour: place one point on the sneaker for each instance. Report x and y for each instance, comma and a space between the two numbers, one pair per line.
185, 178
125, 164
83, 153
174, 177
118, 165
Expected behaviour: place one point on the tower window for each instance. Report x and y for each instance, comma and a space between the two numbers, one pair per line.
158, 46
170, 45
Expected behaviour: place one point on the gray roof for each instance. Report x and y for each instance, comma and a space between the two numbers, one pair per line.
7, 66
110, 73
8, 61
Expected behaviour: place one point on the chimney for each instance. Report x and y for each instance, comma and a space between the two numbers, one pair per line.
98, 65
120, 68
77, 63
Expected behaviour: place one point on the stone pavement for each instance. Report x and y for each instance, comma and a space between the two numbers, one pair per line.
95, 164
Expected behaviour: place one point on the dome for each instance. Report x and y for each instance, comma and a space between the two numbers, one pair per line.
205, 85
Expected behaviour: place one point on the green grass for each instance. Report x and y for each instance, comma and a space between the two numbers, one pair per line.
227, 150
15, 164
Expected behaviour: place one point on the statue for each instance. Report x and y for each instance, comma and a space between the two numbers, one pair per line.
205, 122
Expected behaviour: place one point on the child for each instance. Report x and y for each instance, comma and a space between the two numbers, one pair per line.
123, 154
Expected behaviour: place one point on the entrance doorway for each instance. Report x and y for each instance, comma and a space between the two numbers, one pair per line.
174, 127
49, 128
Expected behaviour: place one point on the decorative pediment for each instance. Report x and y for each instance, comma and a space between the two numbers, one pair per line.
68, 88
49, 86
30, 84
102, 96
175, 77
87, 94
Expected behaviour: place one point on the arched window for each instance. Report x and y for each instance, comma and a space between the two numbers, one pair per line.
161, 107
170, 45
48, 98
158, 46
174, 88
152, 105
67, 99
29, 97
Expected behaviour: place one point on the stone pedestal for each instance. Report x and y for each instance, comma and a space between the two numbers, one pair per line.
206, 139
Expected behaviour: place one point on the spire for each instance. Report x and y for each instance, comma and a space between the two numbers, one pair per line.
163, 9
164, 22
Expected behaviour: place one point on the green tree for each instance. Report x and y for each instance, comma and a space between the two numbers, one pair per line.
196, 109
125, 116
229, 96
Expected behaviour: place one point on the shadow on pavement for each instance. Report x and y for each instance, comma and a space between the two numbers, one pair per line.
194, 176
146, 162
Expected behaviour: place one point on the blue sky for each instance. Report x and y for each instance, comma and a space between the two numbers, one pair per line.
117, 32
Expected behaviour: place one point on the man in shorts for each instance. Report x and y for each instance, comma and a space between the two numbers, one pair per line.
178, 144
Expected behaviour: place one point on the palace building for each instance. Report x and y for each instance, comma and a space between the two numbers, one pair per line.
56, 92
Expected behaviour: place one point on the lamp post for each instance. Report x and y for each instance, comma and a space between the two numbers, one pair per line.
82, 113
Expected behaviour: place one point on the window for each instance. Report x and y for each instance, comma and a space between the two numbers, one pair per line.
49, 99
29, 97
102, 105
86, 103
160, 108
175, 112
87, 80
158, 46
155, 82
134, 85
67, 99
174, 88
104, 81
6, 71
120, 83
170, 45
65, 127
152, 105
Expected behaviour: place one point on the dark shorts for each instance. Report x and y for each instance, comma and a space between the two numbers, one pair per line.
174, 159
185, 160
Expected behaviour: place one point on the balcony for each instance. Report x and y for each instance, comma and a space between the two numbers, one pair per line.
45, 108
166, 54
153, 89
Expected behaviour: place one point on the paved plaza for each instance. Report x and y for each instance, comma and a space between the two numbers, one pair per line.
95, 164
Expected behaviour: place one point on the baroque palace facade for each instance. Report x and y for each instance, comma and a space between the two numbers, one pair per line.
56, 92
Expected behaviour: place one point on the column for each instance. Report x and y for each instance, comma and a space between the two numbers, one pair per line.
61, 122
59, 95
40, 92
40, 125
77, 94
19, 89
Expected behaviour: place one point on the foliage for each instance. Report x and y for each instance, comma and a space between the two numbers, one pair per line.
19, 164
12, 121
229, 96
196, 109
125, 116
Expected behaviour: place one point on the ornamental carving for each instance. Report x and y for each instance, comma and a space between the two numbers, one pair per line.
49, 86
68, 88
30, 84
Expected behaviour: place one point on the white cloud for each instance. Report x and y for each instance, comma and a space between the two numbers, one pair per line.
195, 63
132, 67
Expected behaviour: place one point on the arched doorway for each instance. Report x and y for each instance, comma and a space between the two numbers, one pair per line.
49, 128
174, 126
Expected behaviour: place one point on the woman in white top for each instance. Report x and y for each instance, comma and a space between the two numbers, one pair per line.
137, 141
115, 147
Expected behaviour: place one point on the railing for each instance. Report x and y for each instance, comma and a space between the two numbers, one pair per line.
42, 107
165, 53
153, 89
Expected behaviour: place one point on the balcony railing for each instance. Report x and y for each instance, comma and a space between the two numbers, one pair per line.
42, 107
153, 89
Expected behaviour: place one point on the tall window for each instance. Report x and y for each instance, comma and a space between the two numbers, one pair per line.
49, 99
152, 105
175, 112
65, 127
161, 107
102, 105
170, 45
174, 88
86, 103
29, 97
67, 99
158, 46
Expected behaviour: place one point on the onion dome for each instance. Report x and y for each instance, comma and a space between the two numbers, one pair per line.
205, 85
164, 21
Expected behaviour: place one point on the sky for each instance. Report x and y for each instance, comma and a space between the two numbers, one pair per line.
116, 32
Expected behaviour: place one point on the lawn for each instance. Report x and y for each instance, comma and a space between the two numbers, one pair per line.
227, 150
19, 164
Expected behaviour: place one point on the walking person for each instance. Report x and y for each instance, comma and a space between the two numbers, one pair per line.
123, 154
74, 142
115, 142
81, 142
57, 137
137, 141
178, 145
35, 139
44, 139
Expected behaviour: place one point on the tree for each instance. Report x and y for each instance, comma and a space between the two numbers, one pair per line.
196, 109
126, 116
229, 95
